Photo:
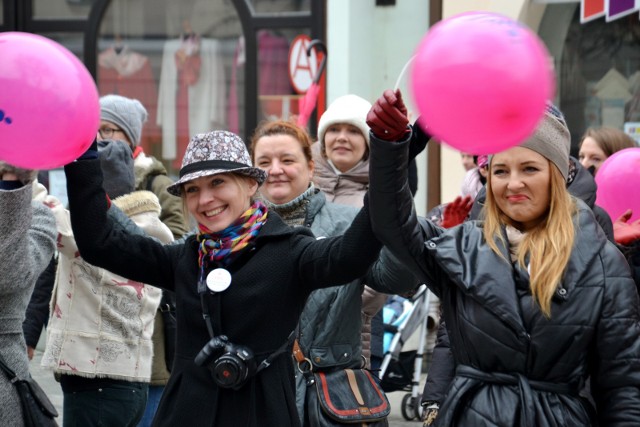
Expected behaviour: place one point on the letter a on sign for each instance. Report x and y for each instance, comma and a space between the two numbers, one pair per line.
302, 68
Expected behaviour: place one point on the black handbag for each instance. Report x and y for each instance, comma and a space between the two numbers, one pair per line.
346, 396
342, 396
37, 409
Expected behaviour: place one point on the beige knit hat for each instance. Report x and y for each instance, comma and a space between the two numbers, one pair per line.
551, 139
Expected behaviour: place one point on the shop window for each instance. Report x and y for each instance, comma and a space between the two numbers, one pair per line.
599, 74
185, 61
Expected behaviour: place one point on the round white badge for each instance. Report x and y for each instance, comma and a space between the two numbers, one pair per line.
218, 280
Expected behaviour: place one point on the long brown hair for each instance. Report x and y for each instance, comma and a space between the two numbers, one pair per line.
610, 140
548, 245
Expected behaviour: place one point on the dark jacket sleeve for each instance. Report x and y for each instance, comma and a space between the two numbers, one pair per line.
388, 275
442, 369
393, 216
604, 220
102, 243
617, 369
632, 254
338, 260
37, 312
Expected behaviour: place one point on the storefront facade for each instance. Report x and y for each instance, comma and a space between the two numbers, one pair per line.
202, 64
196, 65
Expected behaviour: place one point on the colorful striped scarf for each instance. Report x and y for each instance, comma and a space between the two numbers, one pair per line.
224, 245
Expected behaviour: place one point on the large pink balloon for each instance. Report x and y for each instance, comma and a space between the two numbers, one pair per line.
618, 181
481, 81
49, 103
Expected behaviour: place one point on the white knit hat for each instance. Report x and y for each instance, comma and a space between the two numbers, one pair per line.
349, 109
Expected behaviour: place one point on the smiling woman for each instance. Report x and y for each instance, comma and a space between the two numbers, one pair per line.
342, 151
330, 324
240, 282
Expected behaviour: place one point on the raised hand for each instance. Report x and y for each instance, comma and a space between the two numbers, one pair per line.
625, 232
457, 211
388, 117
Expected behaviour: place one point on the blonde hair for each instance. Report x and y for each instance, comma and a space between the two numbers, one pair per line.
548, 244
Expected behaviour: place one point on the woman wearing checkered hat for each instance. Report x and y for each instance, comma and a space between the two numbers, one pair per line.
241, 282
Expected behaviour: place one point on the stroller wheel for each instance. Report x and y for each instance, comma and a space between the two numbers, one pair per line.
410, 408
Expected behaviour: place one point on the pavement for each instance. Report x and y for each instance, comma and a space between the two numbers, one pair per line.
45, 378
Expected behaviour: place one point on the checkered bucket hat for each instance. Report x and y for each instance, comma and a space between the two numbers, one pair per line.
213, 153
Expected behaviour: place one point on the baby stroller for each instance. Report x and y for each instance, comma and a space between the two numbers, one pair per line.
401, 370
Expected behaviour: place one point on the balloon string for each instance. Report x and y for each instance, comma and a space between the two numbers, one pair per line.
404, 70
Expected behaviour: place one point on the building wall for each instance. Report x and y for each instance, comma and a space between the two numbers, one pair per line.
367, 49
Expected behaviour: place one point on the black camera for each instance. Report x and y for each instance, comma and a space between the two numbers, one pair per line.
231, 365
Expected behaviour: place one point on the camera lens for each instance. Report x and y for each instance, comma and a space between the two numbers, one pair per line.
227, 372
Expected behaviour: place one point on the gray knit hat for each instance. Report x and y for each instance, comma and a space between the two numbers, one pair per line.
551, 139
349, 109
213, 153
116, 162
126, 113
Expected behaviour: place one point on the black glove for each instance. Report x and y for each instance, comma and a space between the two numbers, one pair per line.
92, 151
387, 118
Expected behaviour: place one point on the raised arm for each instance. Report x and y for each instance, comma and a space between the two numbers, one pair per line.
104, 244
393, 215
338, 260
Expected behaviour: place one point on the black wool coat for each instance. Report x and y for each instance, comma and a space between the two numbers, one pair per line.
271, 280
514, 366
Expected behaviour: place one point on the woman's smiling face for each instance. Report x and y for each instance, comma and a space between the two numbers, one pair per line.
290, 172
216, 201
344, 145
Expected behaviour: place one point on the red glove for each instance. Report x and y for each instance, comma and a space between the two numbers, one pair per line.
387, 118
624, 232
456, 212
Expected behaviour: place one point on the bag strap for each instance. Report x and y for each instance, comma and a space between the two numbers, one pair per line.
297, 352
13, 377
353, 384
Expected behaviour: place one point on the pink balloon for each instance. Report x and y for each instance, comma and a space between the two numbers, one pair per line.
481, 81
49, 103
617, 181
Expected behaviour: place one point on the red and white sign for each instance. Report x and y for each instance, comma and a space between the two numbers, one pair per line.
302, 68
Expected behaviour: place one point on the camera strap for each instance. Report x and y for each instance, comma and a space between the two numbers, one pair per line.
284, 347
266, 362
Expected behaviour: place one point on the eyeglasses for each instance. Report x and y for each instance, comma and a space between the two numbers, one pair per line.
106, 133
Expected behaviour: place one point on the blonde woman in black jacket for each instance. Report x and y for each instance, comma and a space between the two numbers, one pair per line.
535, 298
241, 282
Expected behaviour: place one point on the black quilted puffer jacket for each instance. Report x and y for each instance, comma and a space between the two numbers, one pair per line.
515, 367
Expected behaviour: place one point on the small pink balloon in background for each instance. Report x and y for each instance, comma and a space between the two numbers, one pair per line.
481, 81
618, 181
49, 103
